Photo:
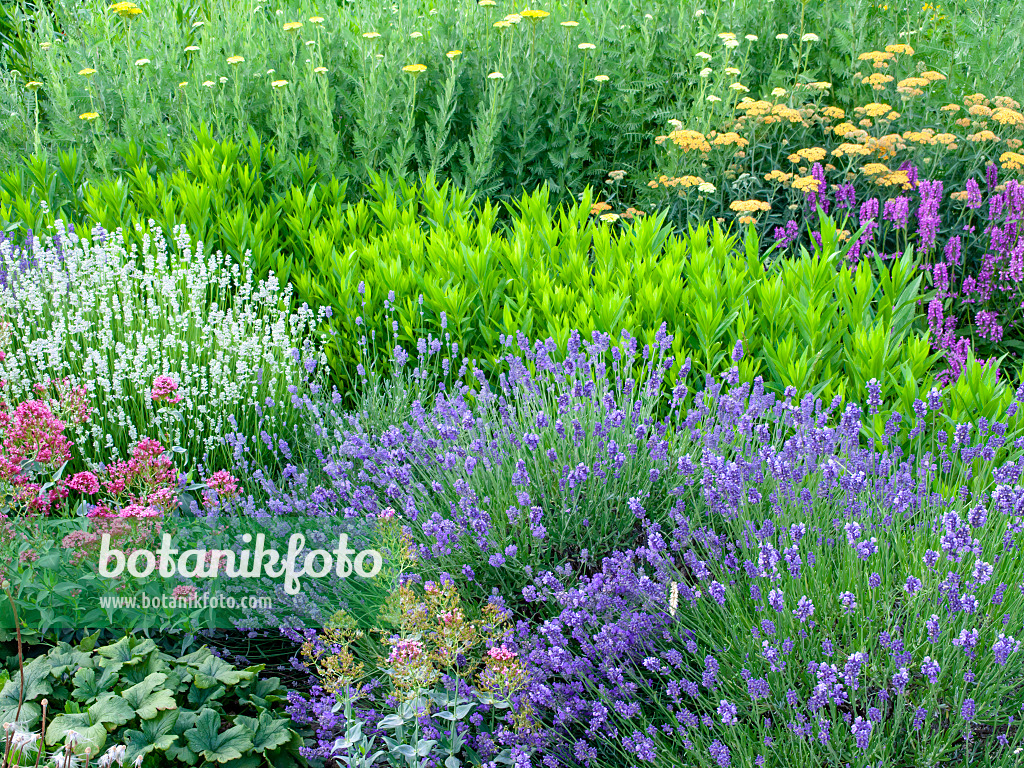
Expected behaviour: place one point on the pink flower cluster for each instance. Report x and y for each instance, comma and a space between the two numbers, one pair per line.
163, 390
406, 650
221, 486
501, 653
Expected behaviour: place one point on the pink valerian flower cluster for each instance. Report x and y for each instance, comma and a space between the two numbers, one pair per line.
85, 483
148, 468
163, 390
221, 486
184, 592
33, 433
125, 534
68, 401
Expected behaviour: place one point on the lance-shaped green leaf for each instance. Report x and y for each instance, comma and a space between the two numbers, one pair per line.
206, 740
149, 697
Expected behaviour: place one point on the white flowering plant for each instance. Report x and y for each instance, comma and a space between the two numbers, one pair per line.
166, 341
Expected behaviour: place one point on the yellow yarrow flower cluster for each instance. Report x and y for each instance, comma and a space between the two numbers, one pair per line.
125, 10
687, 140
681, 181
901, 48
980, 136
847, 149
810, 155
1012, 161
778, 176
876, 56
1005, 116
728, 139
894, 179
806, 184
755, 108
749, 206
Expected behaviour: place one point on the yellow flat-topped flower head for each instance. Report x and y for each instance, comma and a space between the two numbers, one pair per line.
125, 10
534, 14
414, 69
142, 62
452, 54
320, 70
292, 26
371, 35
235, 59
279, 84
88, 116
33, 85
87, 72
316, 19
496, 76
570, 24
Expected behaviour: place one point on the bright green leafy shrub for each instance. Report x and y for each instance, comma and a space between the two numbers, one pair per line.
811, 322
196, 709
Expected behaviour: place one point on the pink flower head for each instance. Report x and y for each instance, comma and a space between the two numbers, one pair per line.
406, 650
223, 484
430, 588
184, 592
388, 513
84, 482
100, 510
33, 432
501, 653
139, 512
163, 390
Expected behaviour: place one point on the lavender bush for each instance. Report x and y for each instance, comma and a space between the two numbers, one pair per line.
748, 582
554, 466
812, 601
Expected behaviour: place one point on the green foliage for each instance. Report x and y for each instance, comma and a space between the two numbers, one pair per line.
196, 709
560, 114
812, 322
